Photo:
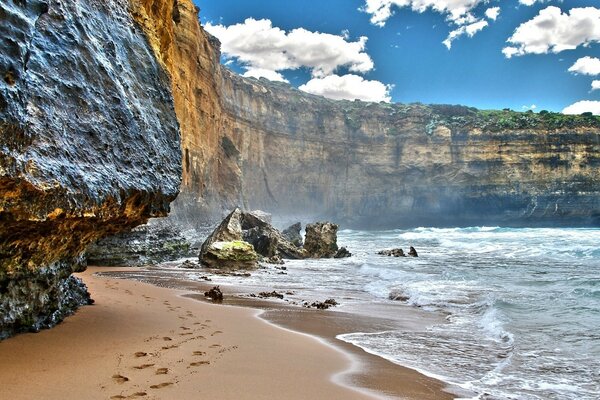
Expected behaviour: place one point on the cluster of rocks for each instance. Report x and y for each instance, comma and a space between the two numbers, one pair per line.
398, 252
243, 239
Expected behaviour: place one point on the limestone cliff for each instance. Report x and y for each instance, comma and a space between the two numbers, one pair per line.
260, 144
89, 146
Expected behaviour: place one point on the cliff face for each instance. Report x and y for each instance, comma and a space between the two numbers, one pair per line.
89, 146
384, 165
266, 145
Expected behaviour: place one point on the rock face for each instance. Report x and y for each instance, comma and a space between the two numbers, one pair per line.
145, 244
267, 145
321, 240
89, 146
292, 234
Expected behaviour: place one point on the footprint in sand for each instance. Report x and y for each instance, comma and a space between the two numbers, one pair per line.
144, 366
170, 347
166, 338
120, 378
214, 346
186, 333
199, 353
161, 385
215, 333
185, 328
162, 371
117, 397
198, 363
140, 354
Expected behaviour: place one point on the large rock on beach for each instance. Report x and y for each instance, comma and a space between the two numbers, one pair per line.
321, 240
252, 228
232, 255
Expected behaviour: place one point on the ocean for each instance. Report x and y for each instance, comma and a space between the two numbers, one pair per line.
510, 313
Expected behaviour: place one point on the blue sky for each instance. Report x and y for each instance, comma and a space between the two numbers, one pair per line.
410, 62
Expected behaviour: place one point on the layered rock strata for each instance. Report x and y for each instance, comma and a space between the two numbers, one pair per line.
89, 146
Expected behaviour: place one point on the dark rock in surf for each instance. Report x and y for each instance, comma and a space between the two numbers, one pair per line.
412, 252
342, 253
392, 253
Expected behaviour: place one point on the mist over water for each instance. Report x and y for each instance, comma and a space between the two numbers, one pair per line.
507, 313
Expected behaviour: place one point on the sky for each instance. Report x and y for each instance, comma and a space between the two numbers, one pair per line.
489, 54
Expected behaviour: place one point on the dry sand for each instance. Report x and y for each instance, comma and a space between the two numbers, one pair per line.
147, 342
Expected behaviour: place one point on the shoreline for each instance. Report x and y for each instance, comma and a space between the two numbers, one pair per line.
375, 374
117, 348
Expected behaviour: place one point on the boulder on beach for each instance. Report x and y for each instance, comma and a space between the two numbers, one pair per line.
321, 240
234, 255
252, 229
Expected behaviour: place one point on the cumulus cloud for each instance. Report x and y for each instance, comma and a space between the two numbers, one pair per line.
531, 107
382, 10
469, 30
492, 13
348, 87
586, 66
264, 50
459, 14
583, 106
554, 31
595, 85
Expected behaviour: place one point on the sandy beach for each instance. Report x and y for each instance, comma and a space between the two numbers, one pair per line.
144, 341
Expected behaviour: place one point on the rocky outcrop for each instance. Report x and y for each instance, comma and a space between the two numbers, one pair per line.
392, 253
321, 240
260, 237
89, 146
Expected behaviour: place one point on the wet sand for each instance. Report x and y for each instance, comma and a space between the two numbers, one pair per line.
149, 342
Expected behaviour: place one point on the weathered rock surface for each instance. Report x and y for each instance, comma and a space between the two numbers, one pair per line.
342, 253
321, 240
292, 234
236, 254
150, 243
89, 146
251, 228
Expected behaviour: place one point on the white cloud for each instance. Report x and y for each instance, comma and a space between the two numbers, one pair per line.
382, 10
264, 50
531, 2
553, 31
348, 87
583, 106
492, 13
459, 14
595, 85
586, 66
531, 107
470, 30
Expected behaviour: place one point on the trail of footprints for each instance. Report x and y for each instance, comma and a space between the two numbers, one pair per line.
167, 358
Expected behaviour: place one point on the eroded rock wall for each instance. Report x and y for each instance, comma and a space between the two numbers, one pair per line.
394, 165
89, 146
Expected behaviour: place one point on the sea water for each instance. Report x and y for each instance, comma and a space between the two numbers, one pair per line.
521, 306
518, 310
